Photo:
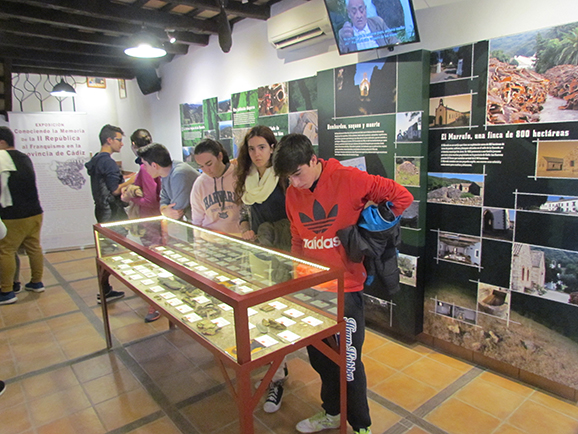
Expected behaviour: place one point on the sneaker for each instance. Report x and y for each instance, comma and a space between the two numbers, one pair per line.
2, 387
280, 381
110, 296
319, 422
274, 398
8, 297
363, 431
34, 287
16, 287
153, 315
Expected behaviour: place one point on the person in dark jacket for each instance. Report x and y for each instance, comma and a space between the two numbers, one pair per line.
107, 182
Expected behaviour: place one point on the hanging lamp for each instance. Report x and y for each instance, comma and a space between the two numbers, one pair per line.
63, 90
145, 45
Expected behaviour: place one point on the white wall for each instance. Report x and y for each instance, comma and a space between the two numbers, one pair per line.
207, 72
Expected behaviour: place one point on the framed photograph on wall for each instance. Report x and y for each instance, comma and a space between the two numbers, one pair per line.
96, 82
121, 88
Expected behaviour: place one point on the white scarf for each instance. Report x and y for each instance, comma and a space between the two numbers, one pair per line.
258, 190
6, 166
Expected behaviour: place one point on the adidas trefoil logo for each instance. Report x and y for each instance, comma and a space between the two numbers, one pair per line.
320, 221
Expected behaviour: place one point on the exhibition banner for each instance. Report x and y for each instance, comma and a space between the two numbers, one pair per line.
502, 202
57, 144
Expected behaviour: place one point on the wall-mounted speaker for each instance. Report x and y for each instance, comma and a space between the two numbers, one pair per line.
147, 79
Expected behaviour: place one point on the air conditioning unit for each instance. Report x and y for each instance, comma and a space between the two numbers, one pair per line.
300, 26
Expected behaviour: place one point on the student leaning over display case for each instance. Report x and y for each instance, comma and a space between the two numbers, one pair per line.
177, 180
260, 193
322, 198
213, 202
143, 195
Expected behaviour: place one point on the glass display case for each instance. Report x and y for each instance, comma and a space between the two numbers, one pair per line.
249, 305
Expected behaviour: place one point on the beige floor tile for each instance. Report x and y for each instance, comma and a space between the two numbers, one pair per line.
83, 346
40, 360
534, 418
22, 350
28, 333
508, 429
97, 367
110, 386
15, 419
57, 405
8, 369
125, 408
137, 330
167, 365
85, 422
13, 395
292, 411
300, 374
566, 407
373, 341
56, 302
23, 311
67, 323
457, 417
49, 383
507, 383
433, 373
212, 413
405, 391
75, 270
395, 356
5, 352
161, 426
416, 430
185, 384
381, 418
375, 371
258, 427
450, 361
422, 349
489, 397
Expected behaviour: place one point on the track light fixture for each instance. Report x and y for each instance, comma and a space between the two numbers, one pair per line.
170, 36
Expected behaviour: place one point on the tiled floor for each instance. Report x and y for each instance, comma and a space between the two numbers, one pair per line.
62, 380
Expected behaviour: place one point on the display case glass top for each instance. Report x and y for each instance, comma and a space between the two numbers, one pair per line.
230, 292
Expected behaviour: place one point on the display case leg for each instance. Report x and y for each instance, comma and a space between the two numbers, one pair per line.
245, 407
103, 276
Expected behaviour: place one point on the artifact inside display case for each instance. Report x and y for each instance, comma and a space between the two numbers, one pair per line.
140, 252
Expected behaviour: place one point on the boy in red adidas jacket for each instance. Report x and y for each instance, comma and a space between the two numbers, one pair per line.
324, 197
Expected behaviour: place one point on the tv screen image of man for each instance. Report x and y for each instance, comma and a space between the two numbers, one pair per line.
362, 32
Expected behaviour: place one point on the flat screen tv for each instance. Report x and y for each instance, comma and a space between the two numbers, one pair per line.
360, 25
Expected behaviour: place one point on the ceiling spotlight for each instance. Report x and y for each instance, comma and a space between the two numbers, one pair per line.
145, 45
63, 90
170, 36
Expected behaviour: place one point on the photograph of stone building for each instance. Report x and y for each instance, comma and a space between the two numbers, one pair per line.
557, 159
460, 248
450, 111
